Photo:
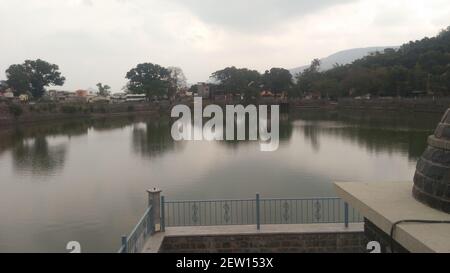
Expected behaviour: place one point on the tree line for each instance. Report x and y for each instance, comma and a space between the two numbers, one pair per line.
416, 68
419, 67
33, 76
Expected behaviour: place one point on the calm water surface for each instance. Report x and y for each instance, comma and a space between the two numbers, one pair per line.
85, 181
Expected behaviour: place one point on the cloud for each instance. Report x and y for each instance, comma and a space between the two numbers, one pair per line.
99, 41
254, 15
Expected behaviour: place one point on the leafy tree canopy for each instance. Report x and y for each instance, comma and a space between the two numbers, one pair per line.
103, 90
417, 67
278, 80
237, 80
150, 79
33, 76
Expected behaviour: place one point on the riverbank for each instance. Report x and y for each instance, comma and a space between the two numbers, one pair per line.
427, 105
17, 114
11, 115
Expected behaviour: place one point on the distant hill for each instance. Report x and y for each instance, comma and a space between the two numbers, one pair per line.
417, 68
343, 57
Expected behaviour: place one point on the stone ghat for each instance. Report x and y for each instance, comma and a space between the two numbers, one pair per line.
45, 112
311, 238
438, 105
287, 243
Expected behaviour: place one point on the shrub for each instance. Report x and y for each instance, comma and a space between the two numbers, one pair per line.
52, 107
15, 110
68, 109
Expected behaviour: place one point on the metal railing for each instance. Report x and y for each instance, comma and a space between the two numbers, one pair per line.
257, 212
135, 242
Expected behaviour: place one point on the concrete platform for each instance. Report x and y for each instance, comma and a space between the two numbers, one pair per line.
386, 203
154, 243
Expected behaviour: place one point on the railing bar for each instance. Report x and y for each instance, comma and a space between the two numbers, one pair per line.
179, 215
206, 201
334, 211
309, 199
167, 215
307, 211
295, 212
190, 215
234, 215
328, 213
275, 212
242, 213
204, 215
140, 222
270, 214
251, 212
246, 213
339, 211
262, 199
304, 212
210, 212
184, 214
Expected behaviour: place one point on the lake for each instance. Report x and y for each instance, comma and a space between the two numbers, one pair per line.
86, 181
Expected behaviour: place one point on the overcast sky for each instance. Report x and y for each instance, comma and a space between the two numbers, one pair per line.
100, 40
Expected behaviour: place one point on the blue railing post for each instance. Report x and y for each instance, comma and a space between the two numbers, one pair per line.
124, 244
346, 214
258, 219
163, 214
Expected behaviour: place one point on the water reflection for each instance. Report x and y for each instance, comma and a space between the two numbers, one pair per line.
376, 132
94, 173
38, 156
42, 149
34, 147
285, 133
152, 138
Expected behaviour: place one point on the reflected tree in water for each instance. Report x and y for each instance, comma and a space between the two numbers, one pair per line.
153, 138
286, 131
391, 132
312, 133
37, 156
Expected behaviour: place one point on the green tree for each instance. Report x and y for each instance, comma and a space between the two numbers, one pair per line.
177, 80
278, 80
33, 76
103, 90
150, 79
306, 79
417, 67
238, 81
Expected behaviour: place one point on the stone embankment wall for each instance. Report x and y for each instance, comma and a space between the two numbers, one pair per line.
437, 105
23, 114
267, 243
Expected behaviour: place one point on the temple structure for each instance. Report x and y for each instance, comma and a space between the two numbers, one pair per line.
432, 178
403, 222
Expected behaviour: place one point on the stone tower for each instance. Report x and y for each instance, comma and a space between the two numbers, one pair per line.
432, 178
